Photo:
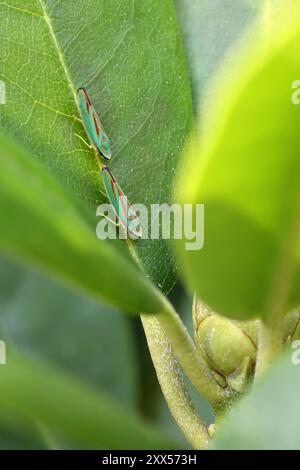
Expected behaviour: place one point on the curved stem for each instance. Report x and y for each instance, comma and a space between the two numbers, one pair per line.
172, 384
184, 349
192, 363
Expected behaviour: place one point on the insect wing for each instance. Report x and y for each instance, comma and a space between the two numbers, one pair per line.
124, 211
92, 124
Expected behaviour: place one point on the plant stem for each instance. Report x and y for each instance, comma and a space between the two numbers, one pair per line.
184, 349
172, 384
192, 363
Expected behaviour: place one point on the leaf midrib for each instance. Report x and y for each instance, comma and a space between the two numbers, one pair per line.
56, 45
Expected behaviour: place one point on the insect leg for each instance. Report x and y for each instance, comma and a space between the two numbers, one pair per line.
77, 118
103, 193
84, 141
107, 218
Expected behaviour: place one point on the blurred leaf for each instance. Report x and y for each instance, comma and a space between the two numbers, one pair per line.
69, 331
129, 56
214, 30
65, 405
11, 441
19, 432
39, 223
246, 170
269, 417
210, 29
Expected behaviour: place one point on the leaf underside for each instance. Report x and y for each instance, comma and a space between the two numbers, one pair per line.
135, 73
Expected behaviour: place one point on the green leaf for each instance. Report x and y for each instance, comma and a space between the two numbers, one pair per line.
210, 29
269, 417
41, 225
19, 432
245, 168
69, 331
9, 441
63, 404
129, 56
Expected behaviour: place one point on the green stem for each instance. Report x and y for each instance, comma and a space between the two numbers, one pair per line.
172, 384
184, 349
192, 363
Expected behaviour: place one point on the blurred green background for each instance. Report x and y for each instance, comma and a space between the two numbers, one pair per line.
148, 66
50, 323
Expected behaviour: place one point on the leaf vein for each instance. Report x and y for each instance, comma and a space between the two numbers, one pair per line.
61, 58
21, 10
39, 103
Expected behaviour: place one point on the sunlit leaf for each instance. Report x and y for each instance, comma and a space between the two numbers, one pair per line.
128, 54
245, 168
